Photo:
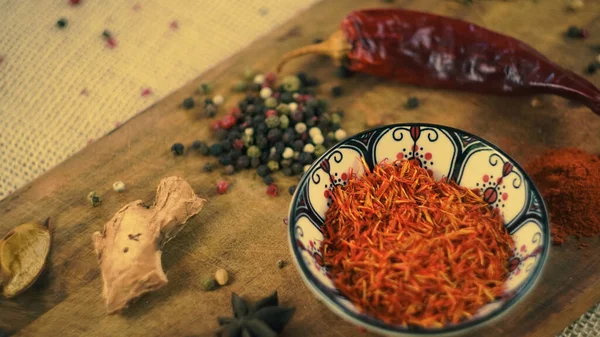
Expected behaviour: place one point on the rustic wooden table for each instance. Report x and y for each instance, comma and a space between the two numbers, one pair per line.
243, 232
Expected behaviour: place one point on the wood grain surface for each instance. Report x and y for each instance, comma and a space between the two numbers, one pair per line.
243, 232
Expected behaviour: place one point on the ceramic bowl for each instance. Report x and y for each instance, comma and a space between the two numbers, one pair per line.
469, 160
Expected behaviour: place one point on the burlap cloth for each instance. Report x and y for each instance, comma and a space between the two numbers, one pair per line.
63, 88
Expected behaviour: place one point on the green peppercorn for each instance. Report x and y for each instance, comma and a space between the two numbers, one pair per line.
273, 165
291, 83
283, 109
249, 74
412, 103
319, 150
272, 122
284, 121
248, 140
240, 86
336, 118
253, 152
205, 88
188, 103
62, 23
271, 102
208, 284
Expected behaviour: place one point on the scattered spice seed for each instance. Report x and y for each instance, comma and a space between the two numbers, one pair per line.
317, 40
118, 186
188, 103
222, 187
343, 72
409, 241
280, 264
268, 180
412, 103
94, 199
208, 167
74, 2
337, 91
575, 5
229, 169
106, 34
535, 102
591, 68
205, 88
272, 190
575, 32
292, 189
177, 149
208, 284
62, 23
222, 277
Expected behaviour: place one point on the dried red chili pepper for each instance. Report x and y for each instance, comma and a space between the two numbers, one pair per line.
441, 52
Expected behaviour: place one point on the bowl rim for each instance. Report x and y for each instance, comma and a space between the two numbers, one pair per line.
377, 325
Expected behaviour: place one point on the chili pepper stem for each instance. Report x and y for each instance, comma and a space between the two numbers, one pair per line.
336, 47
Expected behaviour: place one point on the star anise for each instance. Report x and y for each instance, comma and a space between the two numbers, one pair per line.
265, 319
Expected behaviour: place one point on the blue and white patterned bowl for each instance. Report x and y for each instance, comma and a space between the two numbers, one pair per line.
469, 160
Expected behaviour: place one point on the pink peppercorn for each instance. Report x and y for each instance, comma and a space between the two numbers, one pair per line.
238, 144
216, 125
74, 2
222, 187
270, 77
228, 122
271, 113
236, 112
272, 190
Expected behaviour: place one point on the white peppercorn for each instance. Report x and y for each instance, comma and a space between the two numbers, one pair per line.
309, 148
222, 277
318, 139
300, 127
288, 153
259, 79
312, 132
266, 92
293, 107
218, 100
340, 134
249, 131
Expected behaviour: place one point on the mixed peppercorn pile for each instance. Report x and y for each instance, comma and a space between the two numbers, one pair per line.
276, 127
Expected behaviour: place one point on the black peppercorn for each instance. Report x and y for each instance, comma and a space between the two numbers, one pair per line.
305, 158
234, 135
324, 125
261, 128
298, 145
254, 162
335, 126
292, 189
208, 167
412, 103
312, 103
250, 109
177, 149
275, 156
258, 119
591, 69
200, 147
235, 154
576, 32
297, 168
287, 97
62, 23
337, 91
268, 180
288, 136
264, 157
243, 105
262, 170
242, 162
343, 72
317, 40
262, 142
274, 135
216, 149
286, 163
227, 146
210, 110
310, 122
221, 134
279, 147
302, 77
188, 103
287, 172
312, 81
225, 159
208, 101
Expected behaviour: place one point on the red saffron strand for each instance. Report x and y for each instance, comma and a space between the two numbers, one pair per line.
410, 250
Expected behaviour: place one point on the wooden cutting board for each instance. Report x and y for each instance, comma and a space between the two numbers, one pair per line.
243, 232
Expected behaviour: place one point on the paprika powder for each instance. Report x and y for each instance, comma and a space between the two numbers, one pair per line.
569, 181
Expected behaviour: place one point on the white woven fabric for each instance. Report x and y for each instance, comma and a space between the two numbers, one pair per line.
62, 88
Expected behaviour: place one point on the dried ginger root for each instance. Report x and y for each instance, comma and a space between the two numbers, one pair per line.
23, 254
130, 247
